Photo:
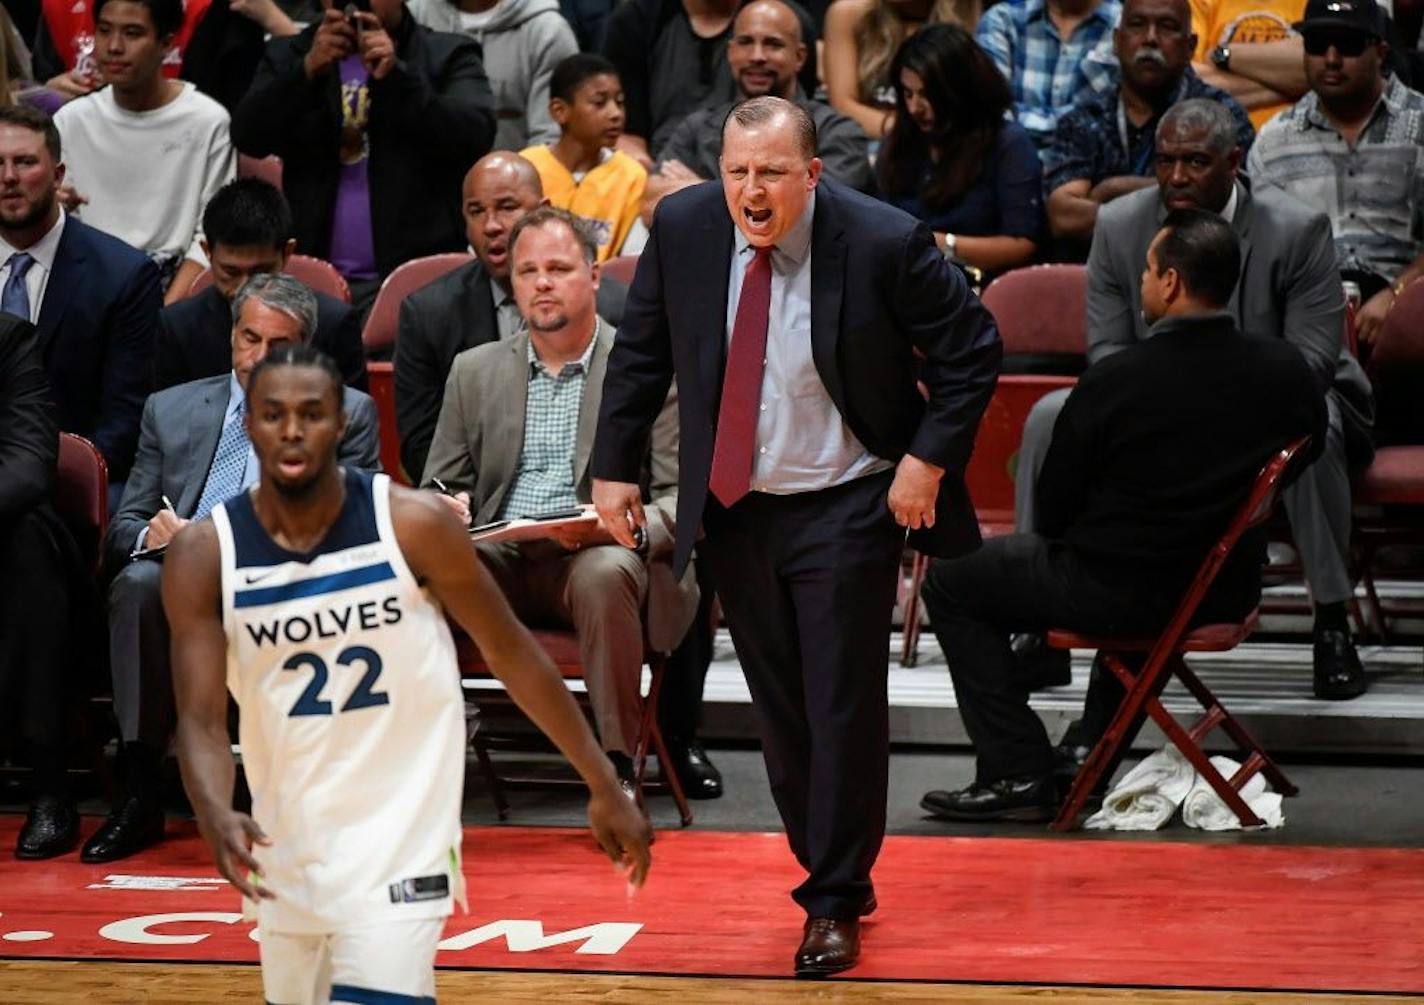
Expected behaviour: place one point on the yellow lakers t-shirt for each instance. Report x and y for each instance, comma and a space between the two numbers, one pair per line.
607, 198
1234, 22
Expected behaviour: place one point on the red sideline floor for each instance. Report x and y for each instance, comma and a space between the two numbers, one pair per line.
982, 910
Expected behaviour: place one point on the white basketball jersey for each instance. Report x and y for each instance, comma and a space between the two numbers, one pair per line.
351, 718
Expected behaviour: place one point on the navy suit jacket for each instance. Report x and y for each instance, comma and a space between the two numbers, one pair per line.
880, 293
97, 327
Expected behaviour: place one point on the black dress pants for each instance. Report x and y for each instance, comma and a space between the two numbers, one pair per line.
807, 582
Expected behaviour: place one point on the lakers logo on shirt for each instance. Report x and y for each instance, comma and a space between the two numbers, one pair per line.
1255, 26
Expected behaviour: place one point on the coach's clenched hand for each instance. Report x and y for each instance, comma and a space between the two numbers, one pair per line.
913, 493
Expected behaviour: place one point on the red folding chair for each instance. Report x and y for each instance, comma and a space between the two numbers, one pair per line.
381, 381
621, 268
562, 648
269, 169
382, 323
81, 495
315, 273
1164, 660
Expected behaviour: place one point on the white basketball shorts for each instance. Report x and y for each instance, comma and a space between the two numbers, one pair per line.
384, 964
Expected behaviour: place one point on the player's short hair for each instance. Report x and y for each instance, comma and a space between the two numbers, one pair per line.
545, 215
761, 110
35, 121
280, 292
167, 15
248, 212
298, 355
571, 71
1204, 251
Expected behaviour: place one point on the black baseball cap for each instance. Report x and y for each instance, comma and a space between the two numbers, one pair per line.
1356, 15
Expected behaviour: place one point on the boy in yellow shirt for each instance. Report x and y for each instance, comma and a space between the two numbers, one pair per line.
582, 172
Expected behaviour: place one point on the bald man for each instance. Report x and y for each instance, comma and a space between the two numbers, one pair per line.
471, 305
765, 52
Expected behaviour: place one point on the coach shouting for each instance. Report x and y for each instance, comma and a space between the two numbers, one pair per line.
806, 451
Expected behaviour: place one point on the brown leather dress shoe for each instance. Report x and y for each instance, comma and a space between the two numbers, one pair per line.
829, 946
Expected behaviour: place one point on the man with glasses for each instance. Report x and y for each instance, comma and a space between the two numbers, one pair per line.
1353, 148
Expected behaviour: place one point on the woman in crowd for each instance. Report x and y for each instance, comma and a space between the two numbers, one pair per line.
861, 37
953, 160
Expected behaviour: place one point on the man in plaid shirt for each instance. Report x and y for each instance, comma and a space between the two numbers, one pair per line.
1050, 52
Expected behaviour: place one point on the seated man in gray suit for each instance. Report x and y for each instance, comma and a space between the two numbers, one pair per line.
193, 453
1290, 289
513, 439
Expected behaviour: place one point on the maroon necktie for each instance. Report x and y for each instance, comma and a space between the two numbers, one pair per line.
741, 385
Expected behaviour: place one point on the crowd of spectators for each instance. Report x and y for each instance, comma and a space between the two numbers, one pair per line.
1018, 132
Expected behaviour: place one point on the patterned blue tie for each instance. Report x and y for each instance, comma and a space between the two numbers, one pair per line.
16, 297
230, 460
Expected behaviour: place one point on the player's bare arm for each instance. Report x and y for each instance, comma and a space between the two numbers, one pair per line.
191, 600
439, 552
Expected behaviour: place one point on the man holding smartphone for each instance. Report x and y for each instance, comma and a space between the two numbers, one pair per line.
513, 440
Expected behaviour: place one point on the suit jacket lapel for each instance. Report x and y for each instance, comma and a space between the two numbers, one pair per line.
481, 300
1241, 223
592, 398
508, 392
65, 277
709, 306
828, 256
205, 423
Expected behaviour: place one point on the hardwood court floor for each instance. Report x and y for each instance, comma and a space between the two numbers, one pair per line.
98, 983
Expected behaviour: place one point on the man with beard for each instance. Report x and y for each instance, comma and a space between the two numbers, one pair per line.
94, 299
765, 53
1105, 146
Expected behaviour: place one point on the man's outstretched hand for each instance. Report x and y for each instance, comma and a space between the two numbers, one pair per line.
622, 832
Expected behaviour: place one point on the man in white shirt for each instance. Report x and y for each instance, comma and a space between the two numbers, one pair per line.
146, 153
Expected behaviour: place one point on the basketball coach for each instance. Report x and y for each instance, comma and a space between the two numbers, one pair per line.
806, 450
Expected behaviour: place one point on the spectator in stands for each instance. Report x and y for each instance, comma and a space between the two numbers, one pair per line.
1247, 48
1105, 145
1051, 52
47, 605
375, 130
1353, 148
671, 57
67, 55
248, 232
194, 453
1289, 290
1144, 472
765, 53
951, 159
146, 153
94, 299
862, 37
227, 45
514, 437
523, 40
583, 171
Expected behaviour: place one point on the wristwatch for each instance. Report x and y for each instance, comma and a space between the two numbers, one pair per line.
950, 243
1221, 57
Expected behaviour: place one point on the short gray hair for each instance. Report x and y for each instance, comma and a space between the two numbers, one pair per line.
759, 111
1202, 113
280, 292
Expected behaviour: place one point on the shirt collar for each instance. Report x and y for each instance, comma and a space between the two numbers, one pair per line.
796, 242
1392, 99
1228, 212
42, 251
580, 365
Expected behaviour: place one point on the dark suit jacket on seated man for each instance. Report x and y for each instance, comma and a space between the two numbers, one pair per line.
805, 452
1153, 452
193, 453
514, 438
247, 230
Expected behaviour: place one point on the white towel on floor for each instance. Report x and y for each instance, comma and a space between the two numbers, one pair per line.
1205, 810
1148, 795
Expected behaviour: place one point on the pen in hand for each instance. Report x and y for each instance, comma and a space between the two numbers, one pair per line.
168, 505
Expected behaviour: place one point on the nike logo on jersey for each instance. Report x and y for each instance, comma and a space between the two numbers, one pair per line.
257, 577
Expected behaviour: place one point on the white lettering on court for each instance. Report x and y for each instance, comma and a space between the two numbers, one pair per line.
136, 930
603, 939
122, 882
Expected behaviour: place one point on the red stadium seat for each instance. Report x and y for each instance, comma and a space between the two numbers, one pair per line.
81, 494
315, 273
621, 268
381, 382
379, 335
269, 169
1042, 310
562, 648
1164, 660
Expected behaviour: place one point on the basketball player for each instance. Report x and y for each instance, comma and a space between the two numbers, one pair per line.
318, 598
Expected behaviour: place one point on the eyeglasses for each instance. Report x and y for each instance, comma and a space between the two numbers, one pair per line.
1346, 43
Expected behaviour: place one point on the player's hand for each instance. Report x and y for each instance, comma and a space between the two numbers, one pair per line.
162, 528
622, 832
620, 509
335, 39
914, 491
231, 838
378, 52
1369, 320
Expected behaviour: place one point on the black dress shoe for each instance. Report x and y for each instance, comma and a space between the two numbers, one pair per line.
134, 826
828, 946
51, 828
1022, 799
1338, 674
1039, 665
870, 906
699, 776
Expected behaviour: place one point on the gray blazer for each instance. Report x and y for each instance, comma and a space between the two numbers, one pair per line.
1289, 288
480, 434
177, 440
